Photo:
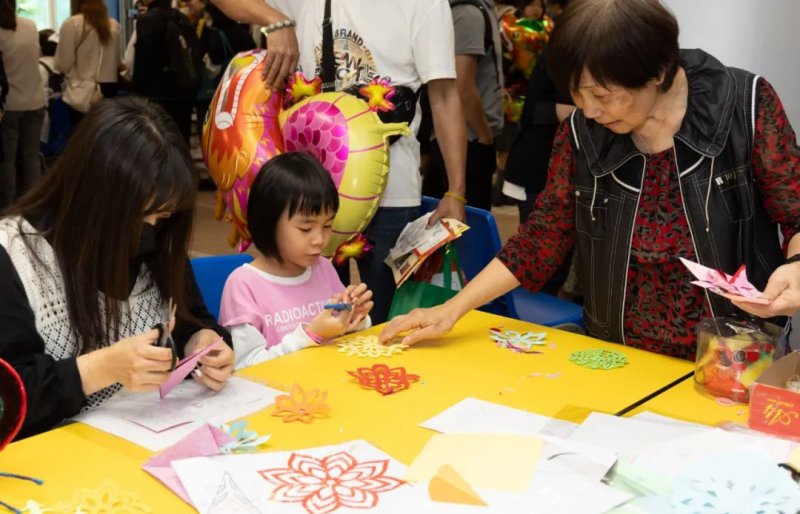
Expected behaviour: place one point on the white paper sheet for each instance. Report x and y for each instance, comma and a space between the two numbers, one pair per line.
232, 484
189, 400
673, 457
473, 416
628, 437
222, 484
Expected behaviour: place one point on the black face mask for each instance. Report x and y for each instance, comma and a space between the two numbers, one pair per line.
147, 242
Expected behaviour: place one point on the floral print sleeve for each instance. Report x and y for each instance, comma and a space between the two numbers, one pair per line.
542, 243
776, 162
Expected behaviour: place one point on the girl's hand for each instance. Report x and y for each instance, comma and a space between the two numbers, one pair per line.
216, 366
361, 298
330, 323
783, 289
133, 362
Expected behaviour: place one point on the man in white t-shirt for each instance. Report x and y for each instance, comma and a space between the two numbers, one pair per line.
409, 42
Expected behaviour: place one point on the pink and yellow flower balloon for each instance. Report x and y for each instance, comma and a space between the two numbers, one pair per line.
245, 127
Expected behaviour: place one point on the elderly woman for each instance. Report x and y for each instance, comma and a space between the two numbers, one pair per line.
670, 154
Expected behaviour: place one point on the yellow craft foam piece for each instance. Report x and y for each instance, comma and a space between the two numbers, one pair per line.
448, 486
493, 461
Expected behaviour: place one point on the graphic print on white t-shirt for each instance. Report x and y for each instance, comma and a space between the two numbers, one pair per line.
408, 42
355, 64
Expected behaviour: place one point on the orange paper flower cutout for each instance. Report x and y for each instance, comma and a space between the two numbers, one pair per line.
384, 379
300, 405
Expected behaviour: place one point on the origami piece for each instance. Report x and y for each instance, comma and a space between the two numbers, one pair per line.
734, 287
205, 441
330, 483
516, 341
244, 441
369, 346
300, 405
598, 359
383, 379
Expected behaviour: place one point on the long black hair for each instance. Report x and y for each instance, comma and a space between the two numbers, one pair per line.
8, 14
126, 161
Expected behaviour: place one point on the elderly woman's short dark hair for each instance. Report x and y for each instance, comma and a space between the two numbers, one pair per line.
622, 42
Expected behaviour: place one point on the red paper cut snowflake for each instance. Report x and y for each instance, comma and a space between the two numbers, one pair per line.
384, 379
325, 485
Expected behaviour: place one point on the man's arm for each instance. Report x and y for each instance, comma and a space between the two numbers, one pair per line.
451, 133
282, 43
466, 81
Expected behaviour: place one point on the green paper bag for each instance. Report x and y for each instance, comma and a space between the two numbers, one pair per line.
416, 293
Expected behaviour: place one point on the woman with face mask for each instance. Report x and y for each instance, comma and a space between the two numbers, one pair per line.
92, 258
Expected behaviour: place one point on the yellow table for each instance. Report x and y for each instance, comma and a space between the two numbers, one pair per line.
465, 363
686, 403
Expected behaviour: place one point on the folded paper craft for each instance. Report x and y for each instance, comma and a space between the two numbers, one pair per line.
205, 441
734, 287
184, 367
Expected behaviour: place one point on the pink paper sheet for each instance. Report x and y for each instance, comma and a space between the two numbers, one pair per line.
183, 368
734, 287
203, 442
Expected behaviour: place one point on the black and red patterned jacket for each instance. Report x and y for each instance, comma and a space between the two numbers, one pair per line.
717, 197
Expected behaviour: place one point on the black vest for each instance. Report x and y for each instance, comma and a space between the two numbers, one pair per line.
721, 202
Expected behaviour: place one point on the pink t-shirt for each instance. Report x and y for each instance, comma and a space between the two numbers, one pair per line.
277, 305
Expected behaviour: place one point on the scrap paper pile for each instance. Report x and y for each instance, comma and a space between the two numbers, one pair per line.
497, 459
417, 242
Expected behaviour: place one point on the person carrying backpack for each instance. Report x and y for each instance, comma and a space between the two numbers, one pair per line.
166, 61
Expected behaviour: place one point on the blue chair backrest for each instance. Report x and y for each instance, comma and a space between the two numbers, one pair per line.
211, 274
477, 247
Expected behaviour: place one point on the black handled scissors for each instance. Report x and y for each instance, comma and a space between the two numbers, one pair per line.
165, 337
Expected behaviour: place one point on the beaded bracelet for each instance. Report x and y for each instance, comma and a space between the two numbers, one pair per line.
277, 26
456, 196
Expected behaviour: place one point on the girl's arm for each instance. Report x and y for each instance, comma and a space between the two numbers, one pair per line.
250, 346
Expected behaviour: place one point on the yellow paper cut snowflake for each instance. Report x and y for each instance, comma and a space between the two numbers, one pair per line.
369, 346
107, 499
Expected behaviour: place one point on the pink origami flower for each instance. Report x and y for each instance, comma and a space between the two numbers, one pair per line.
325, 485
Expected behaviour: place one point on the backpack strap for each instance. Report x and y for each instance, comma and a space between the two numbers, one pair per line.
488, 39
328, 63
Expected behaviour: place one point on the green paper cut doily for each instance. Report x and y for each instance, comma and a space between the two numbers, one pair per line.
599, 359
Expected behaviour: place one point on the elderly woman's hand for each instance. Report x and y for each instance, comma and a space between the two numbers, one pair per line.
783, 289
217, 365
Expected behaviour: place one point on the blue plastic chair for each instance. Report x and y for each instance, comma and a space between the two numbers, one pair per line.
211, 274
478, 246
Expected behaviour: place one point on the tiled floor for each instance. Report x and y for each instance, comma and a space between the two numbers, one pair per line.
211, 236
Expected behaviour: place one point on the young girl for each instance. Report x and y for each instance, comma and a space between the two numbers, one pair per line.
274, 306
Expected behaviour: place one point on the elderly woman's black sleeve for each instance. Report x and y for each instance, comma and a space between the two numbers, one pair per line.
53, 387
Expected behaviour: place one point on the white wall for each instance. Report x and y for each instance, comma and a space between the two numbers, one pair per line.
761, 36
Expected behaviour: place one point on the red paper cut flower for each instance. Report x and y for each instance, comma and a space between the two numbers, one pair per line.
384, 379
325, 485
